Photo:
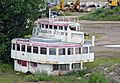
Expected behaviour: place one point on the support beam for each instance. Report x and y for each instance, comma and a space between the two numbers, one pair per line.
81, 65
70, 67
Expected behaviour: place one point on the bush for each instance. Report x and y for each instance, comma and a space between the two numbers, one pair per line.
39, 77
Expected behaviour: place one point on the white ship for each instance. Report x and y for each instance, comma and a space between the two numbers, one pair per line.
56, 47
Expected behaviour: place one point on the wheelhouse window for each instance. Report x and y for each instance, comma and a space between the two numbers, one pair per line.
73, 28
70, 51
61, 51
52, 51
91, 50
77, 50
35, 49
23, 48
29, 49
13, 46
50, 26
85, 49
43, 50
65, 27
61, 27
42, 25
33, 64
46, 26
55, 27
18, 47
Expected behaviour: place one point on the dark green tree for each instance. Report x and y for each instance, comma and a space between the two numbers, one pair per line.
13, 21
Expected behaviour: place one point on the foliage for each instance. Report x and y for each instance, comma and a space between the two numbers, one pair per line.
97, 78
104, 14
14, 16
5, 68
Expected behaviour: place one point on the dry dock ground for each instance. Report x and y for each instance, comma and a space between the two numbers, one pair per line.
110, 34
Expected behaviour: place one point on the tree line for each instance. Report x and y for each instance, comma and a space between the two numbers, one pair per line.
14, 16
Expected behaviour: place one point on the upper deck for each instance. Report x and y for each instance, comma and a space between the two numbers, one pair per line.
64, 30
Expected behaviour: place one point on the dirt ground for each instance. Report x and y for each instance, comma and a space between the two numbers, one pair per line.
110, 31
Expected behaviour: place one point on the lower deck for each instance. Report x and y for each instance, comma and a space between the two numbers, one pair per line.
54, 69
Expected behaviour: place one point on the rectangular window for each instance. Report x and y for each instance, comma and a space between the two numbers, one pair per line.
61, 27
29, 49
50, 26
65, 27
61, 51
91, 49
55, 27
52, 51
24, 63
43, 50
85, 49
19, 62
75, 65
70, 51
33, 64
18, 47
35, 49
23, 48
46, 26
13, 46
64, 67
42, 25
55, 66
77, 50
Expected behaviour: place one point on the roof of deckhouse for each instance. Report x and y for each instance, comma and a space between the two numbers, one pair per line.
59, 23
46, 43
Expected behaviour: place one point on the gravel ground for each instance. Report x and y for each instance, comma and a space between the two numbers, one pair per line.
110, 30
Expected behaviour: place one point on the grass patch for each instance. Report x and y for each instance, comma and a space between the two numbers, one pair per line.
97, 78
103, 15
100, 61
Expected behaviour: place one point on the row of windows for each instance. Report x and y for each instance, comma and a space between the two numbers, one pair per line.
53, 27
65, 66
52, 51
24, 63
55, 66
